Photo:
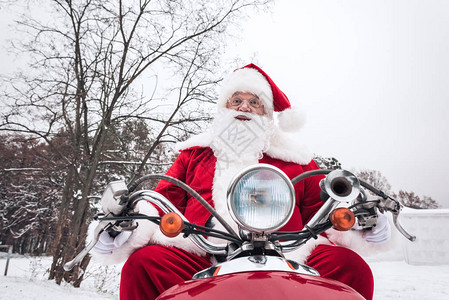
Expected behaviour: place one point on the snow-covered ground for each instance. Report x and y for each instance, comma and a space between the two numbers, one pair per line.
26, 279
398, 280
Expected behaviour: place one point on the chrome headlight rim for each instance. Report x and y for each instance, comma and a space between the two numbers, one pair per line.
246, 171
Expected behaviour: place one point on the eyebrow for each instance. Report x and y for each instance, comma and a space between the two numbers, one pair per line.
238, 93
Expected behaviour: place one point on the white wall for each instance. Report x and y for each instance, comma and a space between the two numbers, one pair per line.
431, 228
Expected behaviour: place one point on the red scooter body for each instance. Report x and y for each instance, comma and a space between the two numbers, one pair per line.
261, 285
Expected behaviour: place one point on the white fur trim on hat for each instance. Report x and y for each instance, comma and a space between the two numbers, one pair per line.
247, 80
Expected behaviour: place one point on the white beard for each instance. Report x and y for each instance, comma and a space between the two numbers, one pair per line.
235, 140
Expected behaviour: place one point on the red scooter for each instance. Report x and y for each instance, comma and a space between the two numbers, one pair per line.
261, 201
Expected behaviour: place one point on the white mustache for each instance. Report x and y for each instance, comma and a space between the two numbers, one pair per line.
242, 140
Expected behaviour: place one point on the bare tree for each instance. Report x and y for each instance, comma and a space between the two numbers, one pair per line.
327, 162
375, 178
409, 199
28, 196
87, 56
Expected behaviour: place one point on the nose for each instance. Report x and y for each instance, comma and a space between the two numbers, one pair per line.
245, 106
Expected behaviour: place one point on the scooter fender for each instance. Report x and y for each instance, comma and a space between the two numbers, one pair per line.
261, 285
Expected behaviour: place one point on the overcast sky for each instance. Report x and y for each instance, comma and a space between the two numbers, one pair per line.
373, 77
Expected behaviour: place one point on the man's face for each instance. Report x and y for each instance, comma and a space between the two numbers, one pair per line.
242, 130
245, 102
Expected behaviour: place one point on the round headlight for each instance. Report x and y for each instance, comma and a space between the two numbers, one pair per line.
261, 198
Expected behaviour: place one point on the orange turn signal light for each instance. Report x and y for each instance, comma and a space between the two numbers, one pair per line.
171, 224
342, 218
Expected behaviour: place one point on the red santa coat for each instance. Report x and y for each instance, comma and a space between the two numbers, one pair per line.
196, 167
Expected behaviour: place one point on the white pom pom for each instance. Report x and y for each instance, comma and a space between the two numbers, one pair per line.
291, 119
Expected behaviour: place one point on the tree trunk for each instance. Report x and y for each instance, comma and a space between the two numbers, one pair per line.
62, 232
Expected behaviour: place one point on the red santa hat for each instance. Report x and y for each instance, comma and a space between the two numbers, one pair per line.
254, 80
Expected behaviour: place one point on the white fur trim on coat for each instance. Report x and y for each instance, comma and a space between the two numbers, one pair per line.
179, 241
291, 119
200, 140
286, 148
301, 254
282, 146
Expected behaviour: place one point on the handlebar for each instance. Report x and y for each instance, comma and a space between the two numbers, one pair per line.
339, 186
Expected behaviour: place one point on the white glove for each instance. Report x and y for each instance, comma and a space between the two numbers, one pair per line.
381, 232
106, 243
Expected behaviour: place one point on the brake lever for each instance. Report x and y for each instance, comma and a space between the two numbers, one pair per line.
386, 203
399, 227
395, 207
103, 226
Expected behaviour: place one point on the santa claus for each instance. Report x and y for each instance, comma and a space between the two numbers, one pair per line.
253, 115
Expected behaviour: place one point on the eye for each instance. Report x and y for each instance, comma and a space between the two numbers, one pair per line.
255, 103
236, 101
